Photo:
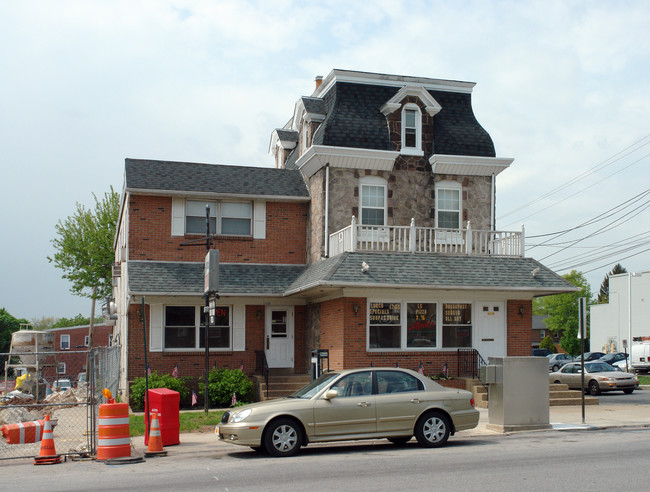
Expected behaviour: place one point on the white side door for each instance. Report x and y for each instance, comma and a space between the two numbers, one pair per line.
491, 329
279, 336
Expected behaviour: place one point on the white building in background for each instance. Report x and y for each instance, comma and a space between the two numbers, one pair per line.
610, 323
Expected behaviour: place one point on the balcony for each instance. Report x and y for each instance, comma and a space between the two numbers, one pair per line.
412, 239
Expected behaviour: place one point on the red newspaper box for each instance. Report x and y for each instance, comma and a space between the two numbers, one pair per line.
165, 403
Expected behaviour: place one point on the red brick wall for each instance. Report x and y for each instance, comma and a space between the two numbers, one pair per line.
520, 328
150, 235
191, 364
344, 333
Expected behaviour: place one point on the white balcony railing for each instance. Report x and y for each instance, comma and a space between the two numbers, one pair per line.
411, 239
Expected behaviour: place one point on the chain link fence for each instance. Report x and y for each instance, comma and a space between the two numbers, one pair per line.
58, 384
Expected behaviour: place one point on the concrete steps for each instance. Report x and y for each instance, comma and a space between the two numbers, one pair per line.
280, 385
559, 395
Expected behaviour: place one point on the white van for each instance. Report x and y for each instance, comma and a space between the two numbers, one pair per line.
640, 359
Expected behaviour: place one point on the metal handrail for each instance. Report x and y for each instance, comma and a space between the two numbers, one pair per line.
262, 367
469, 362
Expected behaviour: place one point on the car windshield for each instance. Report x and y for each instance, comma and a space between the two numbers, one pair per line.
599, 367
307, 392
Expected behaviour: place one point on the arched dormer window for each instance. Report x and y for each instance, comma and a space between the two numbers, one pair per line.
411, 130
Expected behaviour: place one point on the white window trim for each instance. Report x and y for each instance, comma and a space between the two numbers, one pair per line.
61, 365
417, 150
455, 186
65, 337
197, 328
305, 135
372, 181
219, 216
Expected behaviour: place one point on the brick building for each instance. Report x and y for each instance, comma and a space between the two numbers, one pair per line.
374, 237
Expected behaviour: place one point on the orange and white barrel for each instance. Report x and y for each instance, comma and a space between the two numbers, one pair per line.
23, 432
113, 440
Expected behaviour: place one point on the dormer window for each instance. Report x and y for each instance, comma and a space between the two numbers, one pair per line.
411, 130
305, 135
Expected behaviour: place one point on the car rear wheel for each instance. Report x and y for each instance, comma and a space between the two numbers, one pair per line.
594, 389
628, 391
557, 382
283, 438
555, 368
399, 441
432, 430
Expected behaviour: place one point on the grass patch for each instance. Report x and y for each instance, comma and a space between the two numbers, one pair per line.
189, 421
644, 379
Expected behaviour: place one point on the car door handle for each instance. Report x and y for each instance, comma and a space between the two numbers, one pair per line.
363, 404
415, 400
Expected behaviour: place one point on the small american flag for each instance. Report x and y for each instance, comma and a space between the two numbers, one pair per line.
194, 398
233, 402
421, 369
175, 371
148, 370
445, 370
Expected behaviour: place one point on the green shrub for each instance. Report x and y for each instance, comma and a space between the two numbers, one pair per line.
547, 343
222, 383
136, 395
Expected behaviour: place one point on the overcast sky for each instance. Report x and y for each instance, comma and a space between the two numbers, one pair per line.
561, 87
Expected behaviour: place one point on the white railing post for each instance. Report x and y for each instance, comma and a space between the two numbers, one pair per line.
412, 234
522, 241
354, 234
468, 239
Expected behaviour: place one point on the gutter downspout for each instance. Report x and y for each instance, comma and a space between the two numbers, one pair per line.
327, 203
493, 204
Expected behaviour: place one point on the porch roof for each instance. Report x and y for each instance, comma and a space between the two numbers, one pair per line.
386, 270
435, 271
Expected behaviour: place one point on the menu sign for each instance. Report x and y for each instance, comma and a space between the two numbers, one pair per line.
421, 316
457, 314
385, 313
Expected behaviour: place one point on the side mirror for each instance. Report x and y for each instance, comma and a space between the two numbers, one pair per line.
330, 393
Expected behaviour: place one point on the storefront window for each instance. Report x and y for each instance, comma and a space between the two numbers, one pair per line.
421, 325
456, 325
384, 324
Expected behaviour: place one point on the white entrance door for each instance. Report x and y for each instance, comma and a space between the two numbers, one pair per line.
279, 337
491, 330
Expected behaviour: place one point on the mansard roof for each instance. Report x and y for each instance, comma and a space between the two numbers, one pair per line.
189, 177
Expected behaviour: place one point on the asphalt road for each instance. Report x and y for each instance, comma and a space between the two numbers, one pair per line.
569, 460
618, 397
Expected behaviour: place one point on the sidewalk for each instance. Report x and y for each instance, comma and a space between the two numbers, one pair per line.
602, 416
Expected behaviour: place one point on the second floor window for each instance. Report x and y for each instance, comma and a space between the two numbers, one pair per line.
448, 205
411, 130
227, 218
65, 342
373, 204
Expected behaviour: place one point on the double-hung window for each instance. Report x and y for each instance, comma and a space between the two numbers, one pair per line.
448, 205
226, 218
411, 129
65, 342
372, 200
184, 328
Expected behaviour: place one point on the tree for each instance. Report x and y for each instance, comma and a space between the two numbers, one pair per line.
603, 294
84, 247
43, 323
8, 324
562, 312
78, 320
548, 343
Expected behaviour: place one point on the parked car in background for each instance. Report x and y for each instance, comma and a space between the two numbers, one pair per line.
613, 358
370, 403
555, 361
640, 357
599, 377
538, 352
589, 356
61, 385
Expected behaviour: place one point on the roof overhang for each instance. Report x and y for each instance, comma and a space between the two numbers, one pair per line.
464, 165
276, 142
214, 196
431, 106
317, 156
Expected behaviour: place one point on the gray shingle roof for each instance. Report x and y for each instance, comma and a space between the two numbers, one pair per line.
354, 120
212, 178
162, 277
287, 135
432, 271
314, 105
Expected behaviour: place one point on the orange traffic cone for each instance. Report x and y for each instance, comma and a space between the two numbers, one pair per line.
48, 455
155, 440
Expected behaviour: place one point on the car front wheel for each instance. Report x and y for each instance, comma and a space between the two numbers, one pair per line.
432, 430
594, 389
283, 438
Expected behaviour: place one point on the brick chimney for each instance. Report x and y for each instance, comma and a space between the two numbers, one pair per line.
318, 80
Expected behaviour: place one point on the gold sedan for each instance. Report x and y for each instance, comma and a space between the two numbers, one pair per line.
368, 403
